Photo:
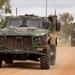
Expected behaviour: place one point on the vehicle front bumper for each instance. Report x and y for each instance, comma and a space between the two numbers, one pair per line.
21, 52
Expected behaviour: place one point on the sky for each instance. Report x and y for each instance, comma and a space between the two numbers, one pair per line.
38, 7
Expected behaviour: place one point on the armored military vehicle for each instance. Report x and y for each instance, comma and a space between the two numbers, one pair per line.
73, 36
29, 37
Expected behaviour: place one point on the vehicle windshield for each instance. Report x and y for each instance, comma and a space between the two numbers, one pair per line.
24, 23
14, 22
33, 23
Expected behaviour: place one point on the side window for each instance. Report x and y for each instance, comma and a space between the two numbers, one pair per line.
46, 25
7, 23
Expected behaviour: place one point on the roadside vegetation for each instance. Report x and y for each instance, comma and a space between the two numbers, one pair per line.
67, 22
5, 8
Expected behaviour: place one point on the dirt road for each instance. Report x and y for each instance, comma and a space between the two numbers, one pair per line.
65, 65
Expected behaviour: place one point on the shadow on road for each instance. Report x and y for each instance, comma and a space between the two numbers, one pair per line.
23, 65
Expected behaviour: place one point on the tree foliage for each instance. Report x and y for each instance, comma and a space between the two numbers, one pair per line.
5, 8
66, 21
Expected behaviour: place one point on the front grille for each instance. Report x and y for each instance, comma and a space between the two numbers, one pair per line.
19, 42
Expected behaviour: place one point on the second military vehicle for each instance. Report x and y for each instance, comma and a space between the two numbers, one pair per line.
73, 36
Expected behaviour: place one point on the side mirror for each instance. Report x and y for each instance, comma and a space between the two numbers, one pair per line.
58, 26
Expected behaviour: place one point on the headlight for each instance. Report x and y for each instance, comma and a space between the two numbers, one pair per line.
37, 39
40, 40
1, 39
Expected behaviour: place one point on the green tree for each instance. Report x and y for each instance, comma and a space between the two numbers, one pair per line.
66, 21
5, 8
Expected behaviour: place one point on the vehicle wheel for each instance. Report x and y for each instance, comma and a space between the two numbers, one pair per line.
8, 61
53, 56
0, 63
45, 60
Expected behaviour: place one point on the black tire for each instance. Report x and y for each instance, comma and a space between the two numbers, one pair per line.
8, 61
45, 60
53, 57
0, 63
56, 41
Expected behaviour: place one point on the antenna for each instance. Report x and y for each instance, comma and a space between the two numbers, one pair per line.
16, 11
46, 7
55, 12
46, 18
55, 8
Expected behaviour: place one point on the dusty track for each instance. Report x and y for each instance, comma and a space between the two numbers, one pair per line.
65, 65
